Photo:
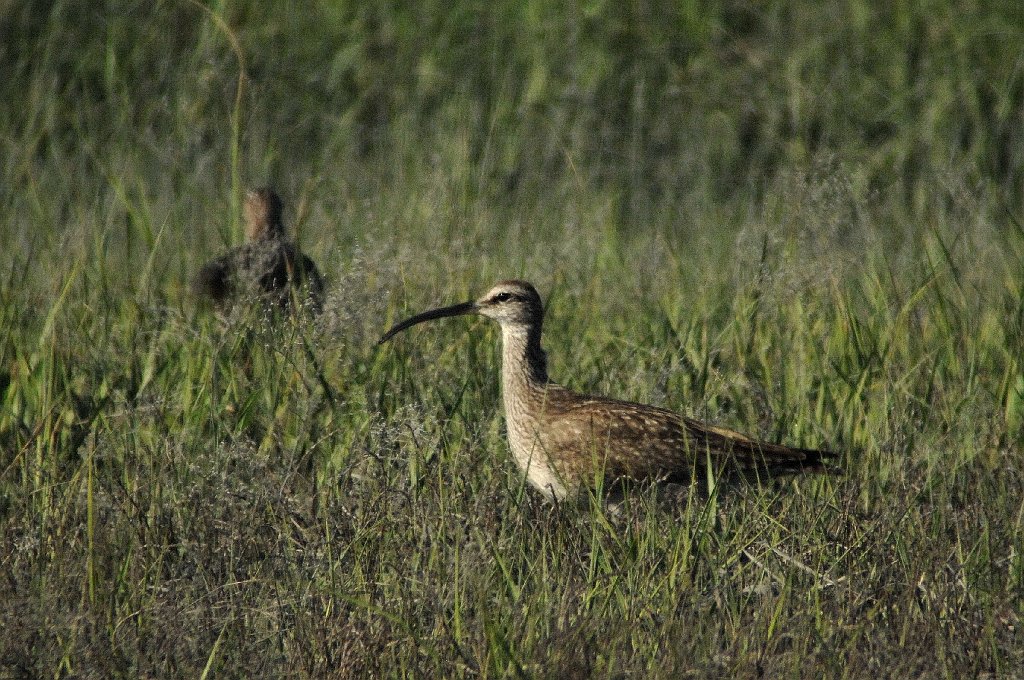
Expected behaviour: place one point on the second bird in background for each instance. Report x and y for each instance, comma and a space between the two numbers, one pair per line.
267, 267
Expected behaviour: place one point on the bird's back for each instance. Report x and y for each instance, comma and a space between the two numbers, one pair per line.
268, 269
585, 436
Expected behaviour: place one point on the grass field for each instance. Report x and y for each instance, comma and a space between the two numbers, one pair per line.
805, 224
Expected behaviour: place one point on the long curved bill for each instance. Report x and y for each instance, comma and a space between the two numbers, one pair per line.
439, 313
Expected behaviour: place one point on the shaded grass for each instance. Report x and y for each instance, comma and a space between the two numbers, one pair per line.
179, 493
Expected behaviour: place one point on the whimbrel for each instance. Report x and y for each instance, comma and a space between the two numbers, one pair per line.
564, 440
267, 265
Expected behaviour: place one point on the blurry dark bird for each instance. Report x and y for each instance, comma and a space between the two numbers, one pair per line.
565, 441
267, 267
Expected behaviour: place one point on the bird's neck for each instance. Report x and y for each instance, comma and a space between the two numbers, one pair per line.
265, 232
524, 366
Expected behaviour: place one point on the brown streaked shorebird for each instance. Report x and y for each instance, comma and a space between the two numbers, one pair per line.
267, 265
564, 440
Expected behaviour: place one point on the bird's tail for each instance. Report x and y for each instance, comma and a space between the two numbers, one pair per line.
793, 459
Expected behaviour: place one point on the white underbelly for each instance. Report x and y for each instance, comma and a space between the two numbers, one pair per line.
532, 460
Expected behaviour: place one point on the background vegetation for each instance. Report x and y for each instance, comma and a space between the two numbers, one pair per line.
802, 220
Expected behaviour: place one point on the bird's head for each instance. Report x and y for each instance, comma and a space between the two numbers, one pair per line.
515, 305
262, 211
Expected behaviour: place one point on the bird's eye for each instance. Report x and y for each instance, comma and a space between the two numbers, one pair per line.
502, 297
